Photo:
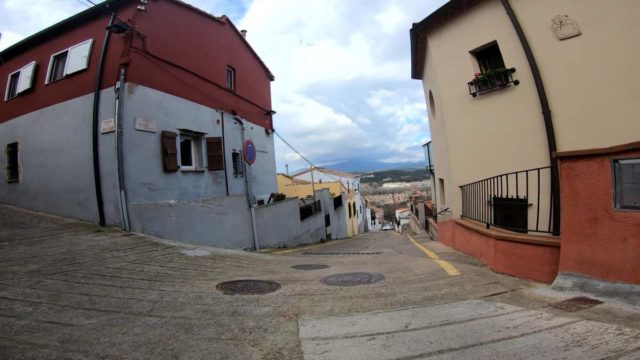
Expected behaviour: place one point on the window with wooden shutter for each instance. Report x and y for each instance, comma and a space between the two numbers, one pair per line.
215, 154
626, 175
169, 151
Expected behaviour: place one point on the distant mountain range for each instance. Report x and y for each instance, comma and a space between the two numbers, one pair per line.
369, 166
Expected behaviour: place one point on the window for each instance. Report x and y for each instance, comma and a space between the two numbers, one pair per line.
626, 179
190, 151
13, 170
231, 78
349, 206
337, 202
57, 66
20, 81
441, 192
236, 158
69, 61
489, 57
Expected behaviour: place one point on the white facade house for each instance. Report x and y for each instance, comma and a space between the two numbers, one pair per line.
350, 184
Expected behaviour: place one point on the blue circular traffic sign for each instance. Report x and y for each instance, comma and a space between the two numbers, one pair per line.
249, 152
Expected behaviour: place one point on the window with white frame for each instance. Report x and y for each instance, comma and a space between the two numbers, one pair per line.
20, 81
190, 147
231, 78
69, 61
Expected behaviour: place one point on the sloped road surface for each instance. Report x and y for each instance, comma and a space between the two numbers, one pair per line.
73, 290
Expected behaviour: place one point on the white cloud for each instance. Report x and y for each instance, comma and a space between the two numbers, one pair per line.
343, 89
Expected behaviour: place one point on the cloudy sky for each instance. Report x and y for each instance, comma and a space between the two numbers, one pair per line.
343, 89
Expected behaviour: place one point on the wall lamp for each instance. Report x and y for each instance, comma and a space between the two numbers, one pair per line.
118, 28
270, 112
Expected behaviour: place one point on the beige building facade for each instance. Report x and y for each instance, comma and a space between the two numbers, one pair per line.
543, 91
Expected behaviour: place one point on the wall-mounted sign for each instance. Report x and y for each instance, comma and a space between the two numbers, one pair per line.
565, 27
146, 125
249, 152
107, 126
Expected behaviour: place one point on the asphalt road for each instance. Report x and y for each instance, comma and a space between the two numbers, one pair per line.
74, 290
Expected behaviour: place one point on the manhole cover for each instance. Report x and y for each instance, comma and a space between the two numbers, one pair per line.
248, 287
309, 267
576, 304
351, 279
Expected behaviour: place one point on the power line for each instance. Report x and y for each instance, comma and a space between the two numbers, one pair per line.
102, 8
305, 159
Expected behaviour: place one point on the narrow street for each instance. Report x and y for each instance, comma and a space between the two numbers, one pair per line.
74, 290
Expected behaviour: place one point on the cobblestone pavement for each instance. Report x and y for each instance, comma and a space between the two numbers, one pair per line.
74, 290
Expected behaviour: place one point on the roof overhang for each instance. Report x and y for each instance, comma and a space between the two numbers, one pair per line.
102, 9
419, 31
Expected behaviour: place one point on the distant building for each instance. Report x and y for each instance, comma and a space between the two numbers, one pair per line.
342, 225
350, 183
533, 112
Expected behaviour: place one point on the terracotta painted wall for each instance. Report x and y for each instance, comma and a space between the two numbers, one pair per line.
529, 261
174, 32
81, 83
597, 240
205, 46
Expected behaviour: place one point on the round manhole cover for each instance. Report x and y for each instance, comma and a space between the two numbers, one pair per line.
248, 287
351, 279
309, 267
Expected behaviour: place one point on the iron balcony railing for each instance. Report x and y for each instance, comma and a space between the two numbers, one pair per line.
520, 201
491, 80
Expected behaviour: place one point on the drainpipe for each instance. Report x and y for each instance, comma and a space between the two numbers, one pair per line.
96, 126
546, 114
224, 155
124, 210
249, 191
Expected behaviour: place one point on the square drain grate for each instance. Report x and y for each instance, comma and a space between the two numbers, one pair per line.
576, 304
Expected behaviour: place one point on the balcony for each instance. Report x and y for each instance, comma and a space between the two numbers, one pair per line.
520, 201
491, 80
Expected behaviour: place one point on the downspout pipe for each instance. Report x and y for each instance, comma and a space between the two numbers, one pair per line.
96, 126
546, 115
122, 191
249, 191
224, 155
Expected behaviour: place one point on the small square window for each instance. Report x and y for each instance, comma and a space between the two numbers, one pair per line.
190, 152
58, 63
626, 179
231, 78
13, 170
489, 57
12, 86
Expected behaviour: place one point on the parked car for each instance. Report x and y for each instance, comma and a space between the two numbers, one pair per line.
386, 227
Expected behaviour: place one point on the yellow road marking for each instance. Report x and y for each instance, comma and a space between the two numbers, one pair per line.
301, 248
443, 264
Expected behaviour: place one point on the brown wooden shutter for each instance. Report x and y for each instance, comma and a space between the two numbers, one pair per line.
215, 154
169, 151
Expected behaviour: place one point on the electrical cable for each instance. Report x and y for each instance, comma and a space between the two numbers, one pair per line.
305, 159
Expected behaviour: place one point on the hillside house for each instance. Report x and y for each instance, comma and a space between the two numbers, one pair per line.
152, 116
540, 168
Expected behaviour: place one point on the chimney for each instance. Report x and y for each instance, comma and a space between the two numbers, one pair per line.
244, 33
